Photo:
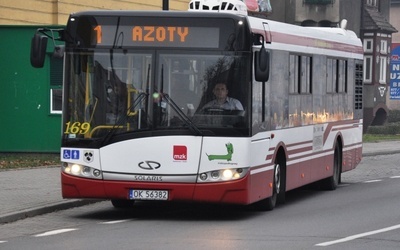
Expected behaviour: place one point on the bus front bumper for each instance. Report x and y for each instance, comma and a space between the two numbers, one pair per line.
232, 192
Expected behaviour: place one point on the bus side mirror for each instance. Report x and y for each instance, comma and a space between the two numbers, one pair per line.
38, 50
261, 65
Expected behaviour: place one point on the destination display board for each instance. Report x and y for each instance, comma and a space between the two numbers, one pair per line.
151, 35
93, 31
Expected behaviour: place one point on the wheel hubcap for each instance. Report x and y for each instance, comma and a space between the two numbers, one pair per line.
277, 178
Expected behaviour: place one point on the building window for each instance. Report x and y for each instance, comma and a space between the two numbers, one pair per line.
55, 101
368, 45
367, 69
372, 3
56, 80
384, 47
382, 69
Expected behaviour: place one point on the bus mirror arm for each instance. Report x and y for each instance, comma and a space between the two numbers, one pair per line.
59, 51
39, 45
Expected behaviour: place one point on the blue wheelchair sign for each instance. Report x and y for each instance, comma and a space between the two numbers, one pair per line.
71, 154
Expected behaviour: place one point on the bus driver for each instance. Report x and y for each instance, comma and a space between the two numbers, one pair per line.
222, 100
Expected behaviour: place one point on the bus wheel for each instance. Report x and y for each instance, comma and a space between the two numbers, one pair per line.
122, 203
331, 183
269, 203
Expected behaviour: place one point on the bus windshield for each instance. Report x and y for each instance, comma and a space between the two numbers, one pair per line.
122, 91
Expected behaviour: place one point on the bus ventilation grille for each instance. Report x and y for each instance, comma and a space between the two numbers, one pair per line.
358, 100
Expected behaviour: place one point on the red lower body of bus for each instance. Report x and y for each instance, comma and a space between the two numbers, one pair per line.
233, 192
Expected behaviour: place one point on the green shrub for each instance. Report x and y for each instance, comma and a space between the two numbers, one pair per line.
375, 138
389, 129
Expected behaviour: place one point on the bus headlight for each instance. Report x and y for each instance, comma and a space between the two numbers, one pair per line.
81, 170
228, 174
76, 169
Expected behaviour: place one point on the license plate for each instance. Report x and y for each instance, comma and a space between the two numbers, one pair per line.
155, 195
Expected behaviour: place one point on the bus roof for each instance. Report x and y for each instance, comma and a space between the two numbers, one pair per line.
330, 41
145, 13
334, 41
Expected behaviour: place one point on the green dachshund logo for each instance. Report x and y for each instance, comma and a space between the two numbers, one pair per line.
228, 156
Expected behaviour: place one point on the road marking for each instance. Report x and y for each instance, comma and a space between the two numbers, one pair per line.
395, 177
2, 241
357, 236
371, 181
113, 222
54, 232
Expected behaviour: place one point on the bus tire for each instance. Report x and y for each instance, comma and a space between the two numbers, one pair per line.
269, 203
331, 183
120, 203
282, 191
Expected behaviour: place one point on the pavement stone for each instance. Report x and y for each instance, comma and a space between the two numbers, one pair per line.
30, 192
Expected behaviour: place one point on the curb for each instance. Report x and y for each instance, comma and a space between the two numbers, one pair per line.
392, 152
11, 217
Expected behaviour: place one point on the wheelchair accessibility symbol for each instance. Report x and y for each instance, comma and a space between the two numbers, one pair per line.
71, 154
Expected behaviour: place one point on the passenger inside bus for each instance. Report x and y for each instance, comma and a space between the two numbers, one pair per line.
222, 101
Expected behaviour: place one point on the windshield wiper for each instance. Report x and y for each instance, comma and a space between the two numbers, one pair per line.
124, 118
182, 115
175, 107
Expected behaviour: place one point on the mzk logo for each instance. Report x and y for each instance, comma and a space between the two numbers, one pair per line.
180, 153
228, 156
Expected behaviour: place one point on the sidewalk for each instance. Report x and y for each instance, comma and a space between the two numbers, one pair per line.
31, 192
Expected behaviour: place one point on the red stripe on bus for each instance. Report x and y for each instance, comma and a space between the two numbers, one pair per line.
278, 37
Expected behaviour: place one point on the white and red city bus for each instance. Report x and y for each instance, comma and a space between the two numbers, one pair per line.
136, 82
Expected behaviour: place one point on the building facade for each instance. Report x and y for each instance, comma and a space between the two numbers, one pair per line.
30, 99
376, 33
369, 19
393, 99
56, 12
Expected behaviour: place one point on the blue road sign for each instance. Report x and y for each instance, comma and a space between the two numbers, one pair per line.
395, 74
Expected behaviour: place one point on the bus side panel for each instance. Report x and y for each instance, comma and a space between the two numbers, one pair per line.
351, 158
308, 171
322, 167
262, 170
297, 175
352, 150
260, 185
